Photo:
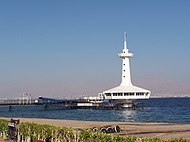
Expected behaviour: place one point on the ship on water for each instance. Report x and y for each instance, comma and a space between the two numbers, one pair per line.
121, 96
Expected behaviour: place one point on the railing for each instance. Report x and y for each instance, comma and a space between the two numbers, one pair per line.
17, 101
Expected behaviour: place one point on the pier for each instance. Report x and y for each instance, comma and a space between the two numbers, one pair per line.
52, 103
25, 99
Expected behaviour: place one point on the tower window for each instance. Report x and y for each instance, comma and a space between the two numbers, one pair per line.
123, 76
123, 70
124, 64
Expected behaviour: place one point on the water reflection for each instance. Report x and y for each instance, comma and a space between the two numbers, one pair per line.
128, 115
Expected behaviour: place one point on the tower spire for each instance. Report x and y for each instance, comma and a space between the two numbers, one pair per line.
125, 40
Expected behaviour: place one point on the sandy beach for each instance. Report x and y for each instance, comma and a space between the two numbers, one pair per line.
159, 130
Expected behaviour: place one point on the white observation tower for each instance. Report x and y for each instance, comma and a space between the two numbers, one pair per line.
126, 90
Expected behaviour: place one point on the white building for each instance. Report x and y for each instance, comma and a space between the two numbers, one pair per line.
126, 90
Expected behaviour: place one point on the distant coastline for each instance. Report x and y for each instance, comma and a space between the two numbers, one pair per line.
170, 96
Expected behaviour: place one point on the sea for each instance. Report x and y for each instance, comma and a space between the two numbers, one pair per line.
169, 110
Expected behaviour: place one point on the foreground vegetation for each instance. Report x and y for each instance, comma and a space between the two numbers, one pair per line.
32, 132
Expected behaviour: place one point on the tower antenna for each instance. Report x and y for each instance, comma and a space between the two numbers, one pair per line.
125, 40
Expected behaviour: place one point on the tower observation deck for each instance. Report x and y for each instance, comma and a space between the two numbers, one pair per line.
126, 90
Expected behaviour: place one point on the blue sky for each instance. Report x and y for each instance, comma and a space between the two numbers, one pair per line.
69, 48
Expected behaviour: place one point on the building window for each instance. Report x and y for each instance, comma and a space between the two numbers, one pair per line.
108, 94
126, 94
120, 94
114, 94
123, 70
131, 94
123, 76
124, 64
139, 94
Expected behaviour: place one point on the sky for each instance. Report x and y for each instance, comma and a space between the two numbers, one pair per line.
68, 48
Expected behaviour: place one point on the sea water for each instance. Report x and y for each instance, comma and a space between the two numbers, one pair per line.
172, 110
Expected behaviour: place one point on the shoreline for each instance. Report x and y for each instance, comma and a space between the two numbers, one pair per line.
142, 129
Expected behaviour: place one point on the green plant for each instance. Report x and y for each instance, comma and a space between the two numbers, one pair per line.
3, 126
62, 134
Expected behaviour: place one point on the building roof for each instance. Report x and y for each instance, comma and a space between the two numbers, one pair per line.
126, 89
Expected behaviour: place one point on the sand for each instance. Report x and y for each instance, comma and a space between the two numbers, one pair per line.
159, 130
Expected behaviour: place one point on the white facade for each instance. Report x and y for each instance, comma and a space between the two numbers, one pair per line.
126, 90
125, 55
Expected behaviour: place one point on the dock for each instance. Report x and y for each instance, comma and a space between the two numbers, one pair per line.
52, 103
